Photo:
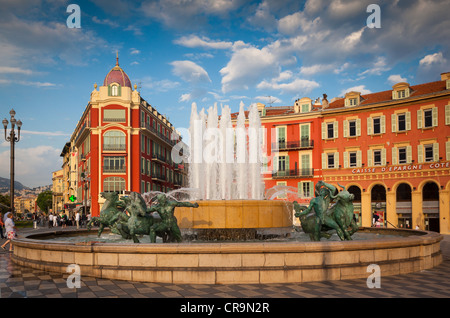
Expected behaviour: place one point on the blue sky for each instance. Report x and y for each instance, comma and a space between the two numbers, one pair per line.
204, 51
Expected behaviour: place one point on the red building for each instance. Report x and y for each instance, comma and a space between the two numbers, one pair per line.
122, 143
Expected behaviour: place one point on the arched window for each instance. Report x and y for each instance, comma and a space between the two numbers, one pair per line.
113, 184
114, 140
114, 90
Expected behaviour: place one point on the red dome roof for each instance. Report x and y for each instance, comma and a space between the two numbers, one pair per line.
117, 75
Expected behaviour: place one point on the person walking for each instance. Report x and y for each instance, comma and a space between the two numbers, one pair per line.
2, 225
50, 220
10, 230
77, 219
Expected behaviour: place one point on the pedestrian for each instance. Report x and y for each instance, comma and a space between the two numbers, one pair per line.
2, 225
34, 220
50, 220
77, 219
10, 230
55, 220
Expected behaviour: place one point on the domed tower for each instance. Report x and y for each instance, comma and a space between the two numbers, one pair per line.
116, 79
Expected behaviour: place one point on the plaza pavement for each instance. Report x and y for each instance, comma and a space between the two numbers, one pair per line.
22, 282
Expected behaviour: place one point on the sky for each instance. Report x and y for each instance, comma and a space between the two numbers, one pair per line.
205, 51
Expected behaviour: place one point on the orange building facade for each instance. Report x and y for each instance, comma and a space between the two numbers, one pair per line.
122, 143
390, 149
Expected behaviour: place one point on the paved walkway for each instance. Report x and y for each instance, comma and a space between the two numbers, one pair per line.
22, 282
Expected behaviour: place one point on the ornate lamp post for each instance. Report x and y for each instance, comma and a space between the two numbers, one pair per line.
12, 138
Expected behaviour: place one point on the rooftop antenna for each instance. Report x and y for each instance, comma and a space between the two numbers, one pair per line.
270, 101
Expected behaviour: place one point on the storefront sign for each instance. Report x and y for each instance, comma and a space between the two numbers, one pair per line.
434, 165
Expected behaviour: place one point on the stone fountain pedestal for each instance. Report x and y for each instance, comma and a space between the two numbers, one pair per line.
235, 220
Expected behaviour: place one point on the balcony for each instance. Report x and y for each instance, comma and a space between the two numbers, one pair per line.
158, 157
156, 176
114, 147
296, 173
109, 169
304, 143
161, 136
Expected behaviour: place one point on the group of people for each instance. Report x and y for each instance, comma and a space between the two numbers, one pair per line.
62, 219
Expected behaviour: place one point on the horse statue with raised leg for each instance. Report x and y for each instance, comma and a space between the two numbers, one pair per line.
110, 213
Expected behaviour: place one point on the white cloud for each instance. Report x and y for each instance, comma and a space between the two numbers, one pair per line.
295, 87
267, 99
16, 70
436, 58
105, 22
134, 51
395, 78
361, 88
193, 41
163, 85
45, 133
317, 68
378, 67
33, 166
190, 71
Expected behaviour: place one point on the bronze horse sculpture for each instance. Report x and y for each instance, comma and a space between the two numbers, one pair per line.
319, 218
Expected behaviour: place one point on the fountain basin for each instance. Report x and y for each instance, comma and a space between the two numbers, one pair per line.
234, 262
235, 219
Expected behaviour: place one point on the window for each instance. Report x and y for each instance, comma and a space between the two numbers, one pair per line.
427, 118
114, 90
114, 140
115, 164
330, 130
114, 115
330, 161
402, 155
428, 151
282, 195
306, 189
305, 108
377, 157
377, 125
281, 132
401, 122
352, 128
353, 101
281, 163
401, 118
352, 159
114, 184
401, 93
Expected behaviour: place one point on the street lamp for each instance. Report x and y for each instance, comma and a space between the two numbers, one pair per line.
12, 139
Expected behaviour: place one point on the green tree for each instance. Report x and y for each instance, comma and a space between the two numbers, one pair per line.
44, 200
5, 203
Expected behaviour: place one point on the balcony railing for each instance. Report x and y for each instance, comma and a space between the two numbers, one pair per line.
109, 169
159, 134
293, 145
296, 173
114, 147
159, 157
156, 176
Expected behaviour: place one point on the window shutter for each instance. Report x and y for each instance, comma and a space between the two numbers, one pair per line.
419, 119
408, 154
335, 127
435, 116
447, 114
358, 127
345, 128
275, 164
394, 122
447, 150
383, 156
324, 131
436, 151
324, 160
369, 158
119, 92
394, 95
336, 159
420, 153
347, 102
394, 155
300, 189
346, 163
383, 124
408, 120
109, 90
287, 164
369, 126
358, 158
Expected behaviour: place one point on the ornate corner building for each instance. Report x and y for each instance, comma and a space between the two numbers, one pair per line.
121, 143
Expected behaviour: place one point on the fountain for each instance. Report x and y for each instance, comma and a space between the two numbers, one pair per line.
237, 235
